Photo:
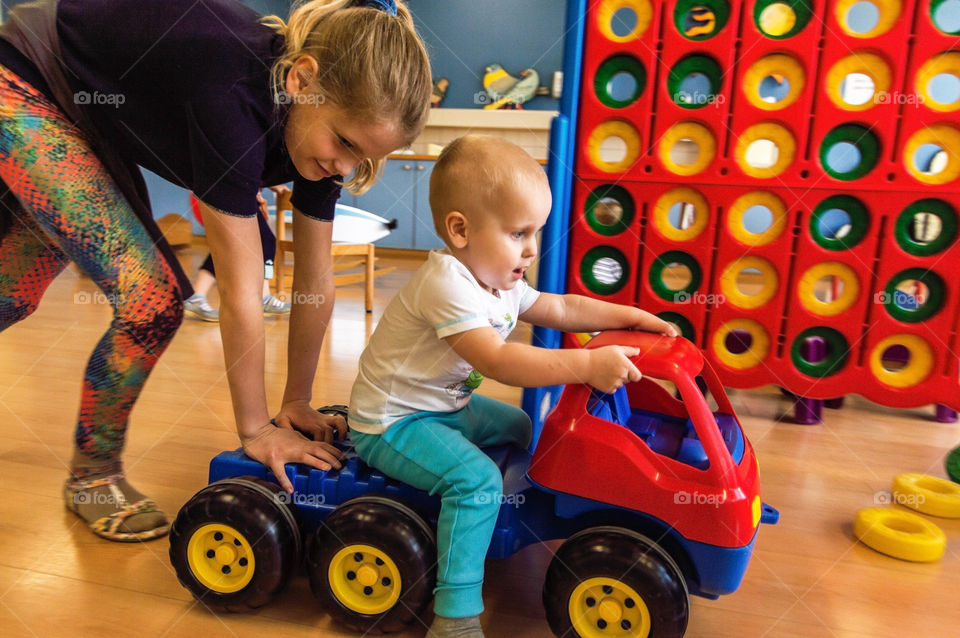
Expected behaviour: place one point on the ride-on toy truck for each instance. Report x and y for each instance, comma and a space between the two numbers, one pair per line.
657, 498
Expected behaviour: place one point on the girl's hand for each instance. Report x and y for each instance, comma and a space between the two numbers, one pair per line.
319, 427
610, 368
275, 446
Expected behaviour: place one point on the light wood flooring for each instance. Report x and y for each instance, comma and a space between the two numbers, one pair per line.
808, 577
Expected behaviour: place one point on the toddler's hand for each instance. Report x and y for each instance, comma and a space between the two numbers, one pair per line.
274, 446
653, 323
610, 368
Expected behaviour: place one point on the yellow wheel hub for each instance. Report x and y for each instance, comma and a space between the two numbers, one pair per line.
605, 607
364, 579
220, 558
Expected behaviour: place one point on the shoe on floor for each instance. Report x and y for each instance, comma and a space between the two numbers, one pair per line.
114, 510
273, 307
199, 307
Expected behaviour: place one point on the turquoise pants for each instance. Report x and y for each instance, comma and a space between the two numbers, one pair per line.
439, 452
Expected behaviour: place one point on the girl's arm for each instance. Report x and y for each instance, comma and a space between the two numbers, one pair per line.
313, 297
576, 313
235, 245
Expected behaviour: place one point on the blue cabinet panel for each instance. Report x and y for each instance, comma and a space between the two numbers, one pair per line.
392, 197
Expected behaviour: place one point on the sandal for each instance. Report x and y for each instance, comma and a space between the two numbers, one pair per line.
104, 491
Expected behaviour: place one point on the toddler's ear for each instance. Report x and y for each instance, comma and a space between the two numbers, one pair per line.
456, 225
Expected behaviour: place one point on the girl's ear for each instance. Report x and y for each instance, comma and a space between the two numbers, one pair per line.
457, 226
301, 74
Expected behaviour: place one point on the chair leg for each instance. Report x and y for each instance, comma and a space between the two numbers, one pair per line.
368, 282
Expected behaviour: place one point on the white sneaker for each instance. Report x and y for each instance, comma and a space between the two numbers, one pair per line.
199, 307
273, 307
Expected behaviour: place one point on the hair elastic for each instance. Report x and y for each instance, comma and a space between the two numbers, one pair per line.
384, 5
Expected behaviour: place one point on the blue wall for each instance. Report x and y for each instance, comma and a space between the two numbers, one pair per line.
464, 36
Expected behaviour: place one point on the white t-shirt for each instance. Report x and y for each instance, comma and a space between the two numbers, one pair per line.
407, 367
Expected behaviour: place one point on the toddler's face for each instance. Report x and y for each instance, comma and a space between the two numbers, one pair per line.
324, 139
503, 243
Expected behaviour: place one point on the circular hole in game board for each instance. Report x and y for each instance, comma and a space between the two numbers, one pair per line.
857, 89
863, 17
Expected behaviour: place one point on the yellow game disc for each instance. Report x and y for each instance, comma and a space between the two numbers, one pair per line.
945, 63
782, 68
661, 214
757, 352
735, 213
807, 286
767, 284
783, 143
944, 137
928, 494
608, 10
888, 10
863, 63
900, 534
917, 368
692, 132
614, 129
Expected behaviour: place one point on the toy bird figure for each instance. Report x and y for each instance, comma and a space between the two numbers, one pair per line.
522, 91
439, 92
496, 81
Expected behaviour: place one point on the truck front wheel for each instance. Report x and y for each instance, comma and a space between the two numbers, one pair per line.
606, 582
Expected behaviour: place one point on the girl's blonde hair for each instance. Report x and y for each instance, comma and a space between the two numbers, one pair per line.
371, 63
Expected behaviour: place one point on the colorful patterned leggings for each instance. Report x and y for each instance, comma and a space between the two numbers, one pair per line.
66, 207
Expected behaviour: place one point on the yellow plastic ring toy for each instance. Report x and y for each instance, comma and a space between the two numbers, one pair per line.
609, 8
614, 128
869, 64
807, 286
781, 138
774, 65
757, 352
927, 494
900, 534
745, 202
697, 133
944, 136
661, 214
917, 368
889, 14
948, 63
728, 282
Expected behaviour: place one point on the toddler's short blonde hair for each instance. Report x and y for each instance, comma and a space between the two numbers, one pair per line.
475, 174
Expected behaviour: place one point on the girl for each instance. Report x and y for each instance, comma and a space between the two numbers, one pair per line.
220, 102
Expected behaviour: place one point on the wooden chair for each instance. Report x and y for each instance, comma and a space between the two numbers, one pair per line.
364, 254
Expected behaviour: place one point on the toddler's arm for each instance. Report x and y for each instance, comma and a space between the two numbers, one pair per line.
576, 313
522, 365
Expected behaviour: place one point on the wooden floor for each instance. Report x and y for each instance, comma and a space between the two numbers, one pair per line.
808, 577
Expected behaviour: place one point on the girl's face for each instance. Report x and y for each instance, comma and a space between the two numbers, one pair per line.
324, 139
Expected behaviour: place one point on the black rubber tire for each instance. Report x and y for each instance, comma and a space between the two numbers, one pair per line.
260, 511
392, 528
627, 557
